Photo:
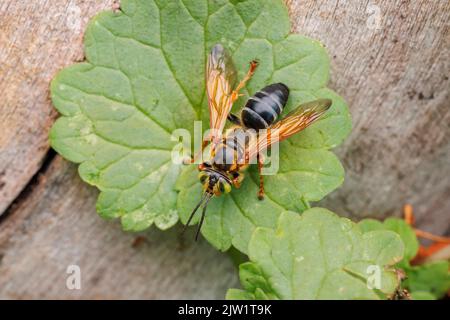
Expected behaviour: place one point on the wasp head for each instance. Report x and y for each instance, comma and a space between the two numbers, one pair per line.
214, 183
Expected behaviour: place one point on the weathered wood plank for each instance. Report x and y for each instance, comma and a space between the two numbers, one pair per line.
56, 226
37, 38
391, 61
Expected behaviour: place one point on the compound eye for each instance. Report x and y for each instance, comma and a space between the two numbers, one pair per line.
203, 176
227, 187
224, 186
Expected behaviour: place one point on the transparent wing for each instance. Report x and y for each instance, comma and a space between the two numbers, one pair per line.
297, 120
220, 80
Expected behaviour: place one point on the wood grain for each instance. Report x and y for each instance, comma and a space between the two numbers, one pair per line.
57, 226
37, 39
395, 77
393, 71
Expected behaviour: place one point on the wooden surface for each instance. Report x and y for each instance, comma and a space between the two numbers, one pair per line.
37, 39
56, 226
395, 77
393, 74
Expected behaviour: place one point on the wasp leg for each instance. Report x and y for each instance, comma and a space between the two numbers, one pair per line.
204, 165
237, 179
248, 76
198, 154
234, 119
261, 177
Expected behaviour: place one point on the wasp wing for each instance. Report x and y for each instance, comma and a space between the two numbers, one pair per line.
220, 80
295, 121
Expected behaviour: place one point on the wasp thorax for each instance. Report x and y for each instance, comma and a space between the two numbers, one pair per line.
223, 158
214, 183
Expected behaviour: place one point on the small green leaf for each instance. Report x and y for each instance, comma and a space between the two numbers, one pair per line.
236, 294
318, 255
423, 281
400, 227
144, 77
433, 278
420, 295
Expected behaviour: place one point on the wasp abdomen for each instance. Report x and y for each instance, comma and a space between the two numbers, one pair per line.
262, 109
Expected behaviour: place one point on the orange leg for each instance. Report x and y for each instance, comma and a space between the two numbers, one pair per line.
237, 180
198, 154
241, 85
261, 178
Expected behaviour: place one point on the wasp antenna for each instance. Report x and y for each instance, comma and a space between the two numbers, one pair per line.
202, 217
200, 224
193, 212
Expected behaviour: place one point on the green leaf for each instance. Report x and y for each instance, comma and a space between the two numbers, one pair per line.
235, 294
400, 227
423, 281
422, 295
144, 77
318, 255
433, 278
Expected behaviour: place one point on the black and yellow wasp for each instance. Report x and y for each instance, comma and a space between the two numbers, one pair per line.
255, 130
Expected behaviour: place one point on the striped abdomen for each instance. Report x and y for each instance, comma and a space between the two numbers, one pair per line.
265, 106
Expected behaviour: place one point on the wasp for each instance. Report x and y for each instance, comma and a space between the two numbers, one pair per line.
254, 131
